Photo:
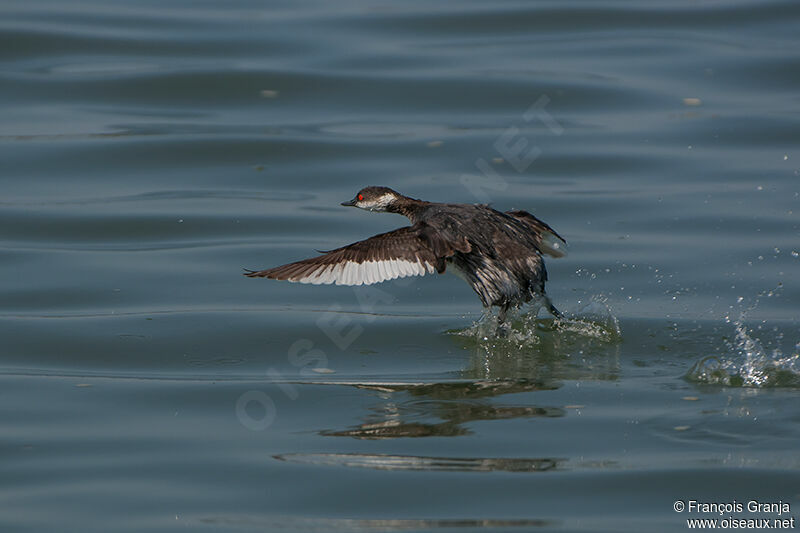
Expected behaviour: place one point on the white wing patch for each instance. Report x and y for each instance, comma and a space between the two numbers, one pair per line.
366, 273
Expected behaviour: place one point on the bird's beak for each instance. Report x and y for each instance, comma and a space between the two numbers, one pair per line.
351, 203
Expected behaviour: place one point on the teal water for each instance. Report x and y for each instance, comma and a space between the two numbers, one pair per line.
150, 151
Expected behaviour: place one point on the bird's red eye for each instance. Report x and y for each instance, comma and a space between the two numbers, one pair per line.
360, 197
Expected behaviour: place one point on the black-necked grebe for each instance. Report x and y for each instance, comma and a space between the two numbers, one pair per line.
498, 254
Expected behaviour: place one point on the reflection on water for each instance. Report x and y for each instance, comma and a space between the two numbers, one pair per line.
453, 404
391, 524
451, 390
534, 356
410, 462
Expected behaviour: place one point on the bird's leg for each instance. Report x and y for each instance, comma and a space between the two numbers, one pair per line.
502, 315
552, 308
502, 326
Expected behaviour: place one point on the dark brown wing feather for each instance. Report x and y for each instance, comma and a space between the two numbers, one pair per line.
399, 253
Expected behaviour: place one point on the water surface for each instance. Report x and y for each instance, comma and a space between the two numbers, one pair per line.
151, 151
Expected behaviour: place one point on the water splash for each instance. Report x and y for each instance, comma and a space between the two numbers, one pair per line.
748, 363
593, 321
583, 345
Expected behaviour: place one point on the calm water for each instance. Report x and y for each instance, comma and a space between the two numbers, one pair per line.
151, 150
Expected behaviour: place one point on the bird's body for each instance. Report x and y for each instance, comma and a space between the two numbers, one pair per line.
498, 254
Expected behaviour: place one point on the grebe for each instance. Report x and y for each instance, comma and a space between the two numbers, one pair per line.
498, 254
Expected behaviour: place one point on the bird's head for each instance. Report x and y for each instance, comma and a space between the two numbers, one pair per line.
374, 198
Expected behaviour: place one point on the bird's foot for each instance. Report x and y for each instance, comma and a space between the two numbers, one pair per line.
503, 330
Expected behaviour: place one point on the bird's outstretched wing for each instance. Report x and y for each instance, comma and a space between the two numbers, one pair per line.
396, 254
550, 242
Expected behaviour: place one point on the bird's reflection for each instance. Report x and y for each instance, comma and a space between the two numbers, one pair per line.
536, 356
451, 404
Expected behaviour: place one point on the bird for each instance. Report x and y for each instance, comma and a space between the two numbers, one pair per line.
499, 254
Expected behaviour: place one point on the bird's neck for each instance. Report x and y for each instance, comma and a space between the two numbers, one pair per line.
408, 207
